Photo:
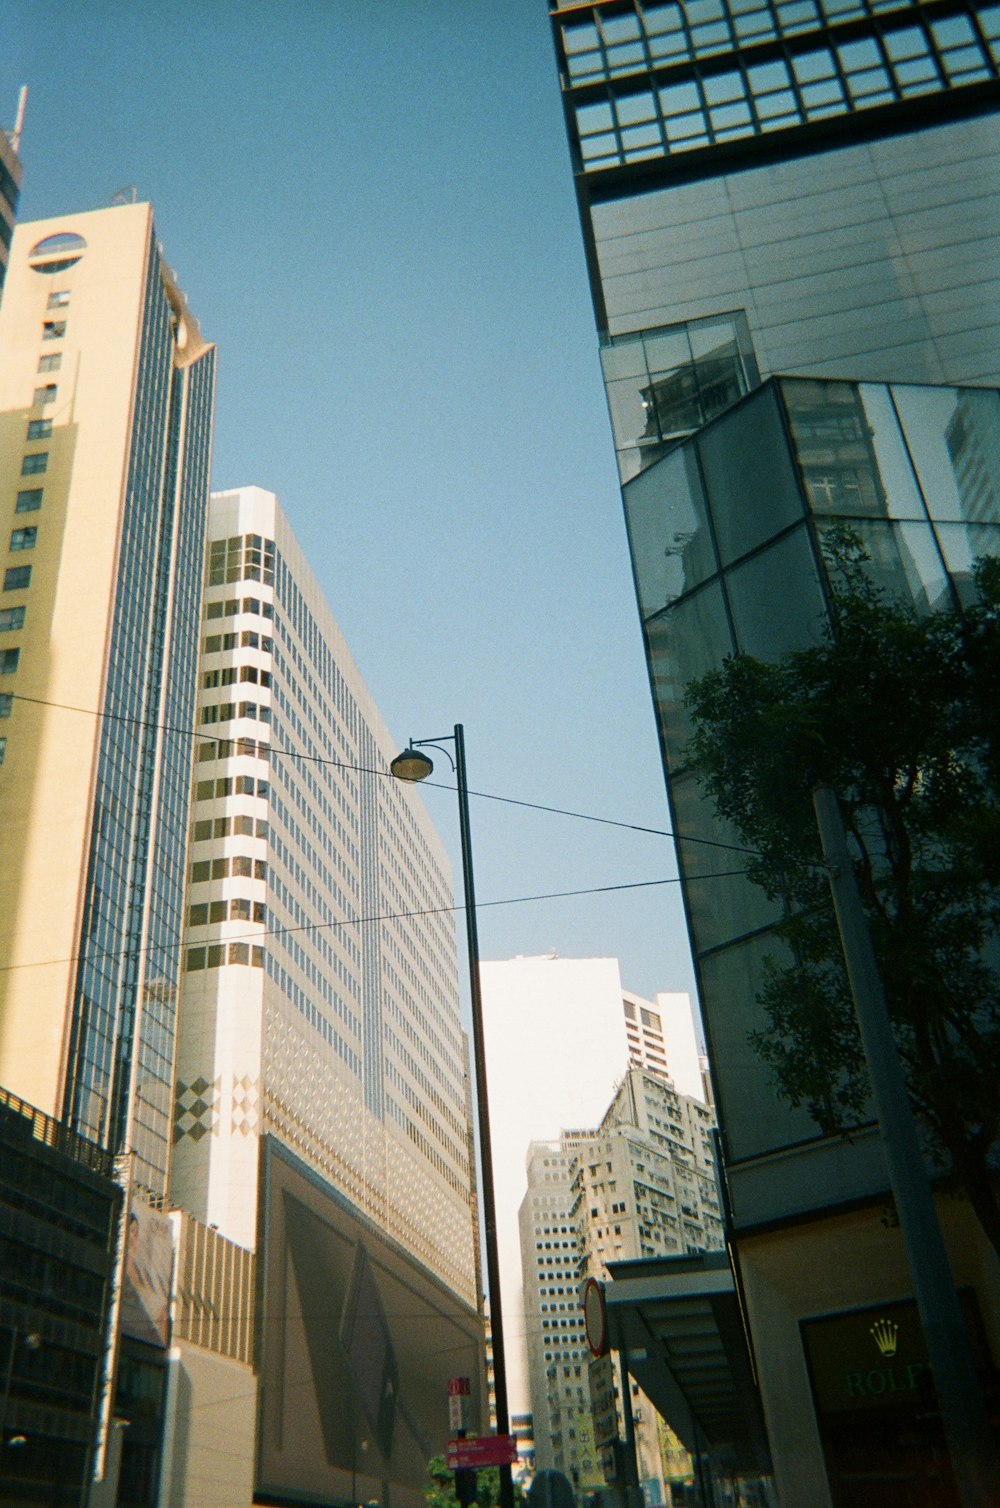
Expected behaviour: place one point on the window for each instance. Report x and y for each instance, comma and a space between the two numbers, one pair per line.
239, 910
220, 869
213, 610
50, 363
39, 429
59, 299
6, 703
198, 915
45, 394
16, 578
3, 749
53, 329
217, 911
8, 661
33, 465
11, 617
200, 871
23, 539
29, 501
248, 673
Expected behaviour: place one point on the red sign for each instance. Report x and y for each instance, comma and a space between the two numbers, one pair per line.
459, 1387
487, 1450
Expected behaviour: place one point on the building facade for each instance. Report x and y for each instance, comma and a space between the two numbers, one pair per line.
321, 1111
558, 1033
791, 220
106, 394
10, 185
59, 1212
641, 1184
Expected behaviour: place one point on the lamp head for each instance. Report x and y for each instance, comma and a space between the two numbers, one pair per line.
411, 765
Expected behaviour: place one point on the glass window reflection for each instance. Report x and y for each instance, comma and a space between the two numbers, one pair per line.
689, 640
785, 573
752, 488
668, 530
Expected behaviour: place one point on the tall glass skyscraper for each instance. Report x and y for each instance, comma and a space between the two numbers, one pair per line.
106, 396
791, 222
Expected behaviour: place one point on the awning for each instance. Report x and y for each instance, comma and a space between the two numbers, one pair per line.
678, 1321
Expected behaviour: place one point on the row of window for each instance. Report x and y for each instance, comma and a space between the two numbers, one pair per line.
217, 955
232, 606
248, 639
749, 98
240, 866
237, 909
225, 827
230, 674
224, 712
243, 557
615, 43
227, 748
231, 785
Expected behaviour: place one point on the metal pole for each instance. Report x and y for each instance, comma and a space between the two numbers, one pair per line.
963, 1411
482, 1102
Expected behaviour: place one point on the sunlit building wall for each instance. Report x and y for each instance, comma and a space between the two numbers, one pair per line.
106, 393
320, 997
559, 1035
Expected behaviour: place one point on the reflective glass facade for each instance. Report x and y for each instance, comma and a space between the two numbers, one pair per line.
726, 537
120, 1069
653, 80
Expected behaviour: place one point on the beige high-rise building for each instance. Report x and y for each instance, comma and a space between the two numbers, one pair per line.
106, 394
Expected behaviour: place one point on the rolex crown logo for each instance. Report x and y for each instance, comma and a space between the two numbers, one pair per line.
884, 1333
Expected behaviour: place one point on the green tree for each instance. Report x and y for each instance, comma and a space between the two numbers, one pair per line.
899, 711
439, 1489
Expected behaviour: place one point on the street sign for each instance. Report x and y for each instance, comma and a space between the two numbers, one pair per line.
487, 1450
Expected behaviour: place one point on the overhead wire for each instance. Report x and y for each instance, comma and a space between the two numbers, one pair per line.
342, 764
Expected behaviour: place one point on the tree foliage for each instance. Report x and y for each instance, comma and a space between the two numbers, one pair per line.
899, 711
439, 1489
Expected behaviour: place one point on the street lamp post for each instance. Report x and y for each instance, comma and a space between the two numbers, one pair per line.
412, 765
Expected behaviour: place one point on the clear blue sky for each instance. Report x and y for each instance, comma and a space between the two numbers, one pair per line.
370, 208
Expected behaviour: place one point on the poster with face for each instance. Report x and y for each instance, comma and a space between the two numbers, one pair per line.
146, 1274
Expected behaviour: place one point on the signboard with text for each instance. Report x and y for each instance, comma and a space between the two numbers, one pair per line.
487, 1450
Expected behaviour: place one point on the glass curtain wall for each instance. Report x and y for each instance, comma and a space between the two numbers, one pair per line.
726, 535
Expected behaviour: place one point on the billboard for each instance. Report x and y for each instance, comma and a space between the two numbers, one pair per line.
357, 1344
146, 1274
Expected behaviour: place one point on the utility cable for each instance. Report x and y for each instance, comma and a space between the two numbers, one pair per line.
340, 764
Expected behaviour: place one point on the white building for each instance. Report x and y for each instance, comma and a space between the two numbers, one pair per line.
322, 1070
642, 1184
559, 1034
